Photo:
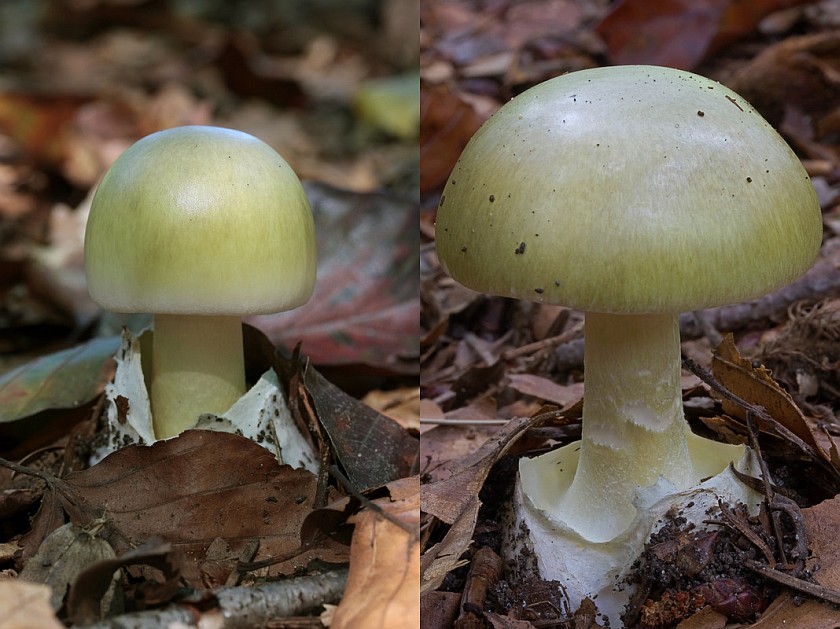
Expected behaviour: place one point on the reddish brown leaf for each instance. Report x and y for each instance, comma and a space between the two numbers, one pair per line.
679, 33
200, 486
365, 308
446, 125
674, 33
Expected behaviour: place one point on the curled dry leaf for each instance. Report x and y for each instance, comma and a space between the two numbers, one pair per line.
84, 602
455, 501
384, 579
756, 386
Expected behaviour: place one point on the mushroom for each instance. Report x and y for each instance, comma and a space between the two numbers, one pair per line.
631, 193
200, 226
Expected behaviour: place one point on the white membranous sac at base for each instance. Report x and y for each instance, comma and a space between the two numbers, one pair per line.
633, 194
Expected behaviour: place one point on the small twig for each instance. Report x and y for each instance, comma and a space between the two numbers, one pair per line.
53, 482
249, 566
769, 494
800, 536
742, 527
247, 555
550, 342
462, 422
813, 589
345, 482
756, 446
485, 572
254, 606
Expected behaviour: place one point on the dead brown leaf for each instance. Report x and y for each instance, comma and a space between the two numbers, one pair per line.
384, 579
756, 386
372, 448
821, 525
446, 125
680, 33
546, 389
65, 554
26, 606
200, 486
455, 501
401, 405
797, 72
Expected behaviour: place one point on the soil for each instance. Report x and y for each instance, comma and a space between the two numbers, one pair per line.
683, 569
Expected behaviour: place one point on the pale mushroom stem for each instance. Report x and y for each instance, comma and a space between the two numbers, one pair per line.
634, 431
197, 367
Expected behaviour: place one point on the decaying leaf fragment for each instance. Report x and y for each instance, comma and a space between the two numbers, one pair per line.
25, 605
65, 554
384, 579
756, 386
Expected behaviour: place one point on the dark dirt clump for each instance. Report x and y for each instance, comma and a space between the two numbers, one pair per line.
684, 569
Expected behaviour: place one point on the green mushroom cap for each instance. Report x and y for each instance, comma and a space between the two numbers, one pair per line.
629, 189
200, 220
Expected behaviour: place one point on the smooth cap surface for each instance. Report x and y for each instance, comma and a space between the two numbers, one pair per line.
200, 220
630, 189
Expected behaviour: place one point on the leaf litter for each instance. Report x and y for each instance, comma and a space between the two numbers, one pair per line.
212, 509
509, 358
84, 82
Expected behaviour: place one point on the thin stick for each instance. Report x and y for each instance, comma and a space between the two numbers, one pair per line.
439, 421
818, 591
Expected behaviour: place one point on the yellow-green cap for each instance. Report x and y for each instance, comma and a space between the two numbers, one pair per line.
200, 220
628, 189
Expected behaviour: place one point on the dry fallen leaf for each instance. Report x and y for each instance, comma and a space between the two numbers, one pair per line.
455, 501
401, 405
446, 125
63, 555
26, 606
546, 389
200, 486
756, 386
372, 448
384, 579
